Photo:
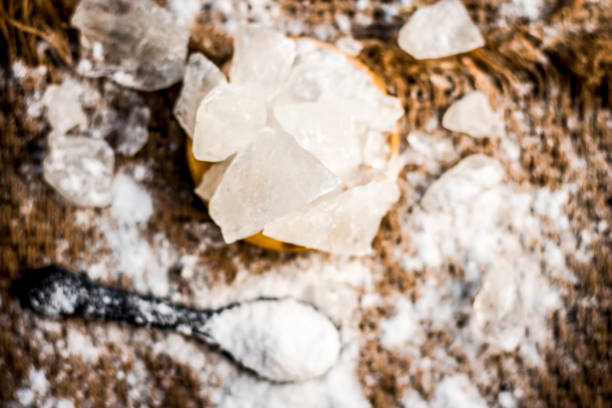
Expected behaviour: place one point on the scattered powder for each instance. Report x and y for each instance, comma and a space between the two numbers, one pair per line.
400, 328
81, 345
131, 203
37, 385
457, 391
339, 388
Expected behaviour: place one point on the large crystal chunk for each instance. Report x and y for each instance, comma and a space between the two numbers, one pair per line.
136, 43
340, 222
439, 30
268, 179
324, 129
470, 177
63, 105
320, 70
473, 115
201, 77
227, 120
81, 169
262, 57
212, 178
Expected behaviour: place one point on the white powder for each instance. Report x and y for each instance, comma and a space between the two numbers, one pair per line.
457, 391
80, 344
131, 202
281, 340
339, 388
394, 332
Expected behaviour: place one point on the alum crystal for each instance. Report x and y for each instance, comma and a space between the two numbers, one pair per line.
136, 43
296, 120
340, 223
473, 115
462, 183
439, 30
81, 169
268, 179
201, 77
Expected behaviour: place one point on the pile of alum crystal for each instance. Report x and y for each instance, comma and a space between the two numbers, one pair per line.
299, 138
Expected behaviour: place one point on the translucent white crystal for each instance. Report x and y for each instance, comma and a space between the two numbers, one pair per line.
81, 169
373, 109
136, 43
349, 45
498, 313
340, 222
376, 149
459, 185
133, 136
439, 30
324, 129
201, 77
473, 115
227, 120
268, 179
63, 106
262, 57
212, 178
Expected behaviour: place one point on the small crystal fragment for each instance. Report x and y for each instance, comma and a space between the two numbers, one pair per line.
136, 43
135, 134
473, 115
324, 129
340, 222
212, 178
439, 30
64, 109
498, 313
470, 177
201, 77
262, 57
269, 178
227, 120
81, 169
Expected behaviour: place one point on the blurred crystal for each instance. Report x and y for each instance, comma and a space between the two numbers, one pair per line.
134, 134
63, 106
320, 70
324, 129
227, 120
136, 43
201, 77
81, 170
212, 178
439, 30
376, 149
340, 222
266, 53
498, 312
269, 178
459, 185
473, 115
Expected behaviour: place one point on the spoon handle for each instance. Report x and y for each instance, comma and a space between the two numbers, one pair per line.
57, 292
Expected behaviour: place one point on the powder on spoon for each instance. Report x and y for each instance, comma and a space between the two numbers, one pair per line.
282, 340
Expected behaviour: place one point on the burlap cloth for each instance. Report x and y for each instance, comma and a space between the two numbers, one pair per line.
565, 58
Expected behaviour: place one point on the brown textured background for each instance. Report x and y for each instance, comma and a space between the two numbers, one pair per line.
570, 70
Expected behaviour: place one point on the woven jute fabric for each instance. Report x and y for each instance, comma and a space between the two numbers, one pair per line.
562, 61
